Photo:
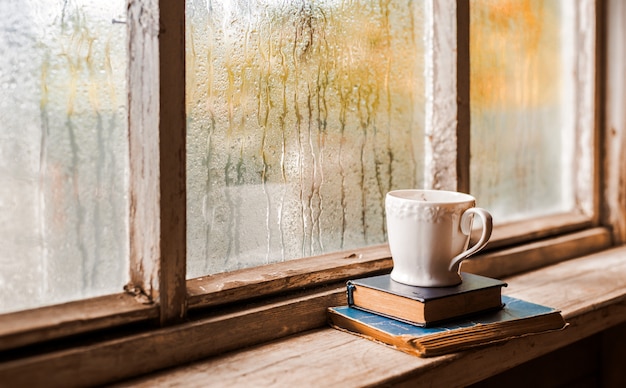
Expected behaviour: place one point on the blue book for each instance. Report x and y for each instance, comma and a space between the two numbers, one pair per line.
517, 318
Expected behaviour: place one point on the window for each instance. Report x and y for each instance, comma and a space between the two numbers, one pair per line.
301, 116
531, 98
63, 152
171, 173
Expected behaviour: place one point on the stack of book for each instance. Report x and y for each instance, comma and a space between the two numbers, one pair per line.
430, 321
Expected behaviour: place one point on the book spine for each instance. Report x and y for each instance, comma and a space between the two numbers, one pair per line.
349, 290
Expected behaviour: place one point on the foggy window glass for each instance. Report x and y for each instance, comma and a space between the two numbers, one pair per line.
521, 135
301, 117
63, 151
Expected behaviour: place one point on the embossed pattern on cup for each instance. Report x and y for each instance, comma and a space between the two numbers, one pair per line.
428, 233
404, 209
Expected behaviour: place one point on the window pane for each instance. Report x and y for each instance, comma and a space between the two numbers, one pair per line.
522, 132
63, 151
301, 116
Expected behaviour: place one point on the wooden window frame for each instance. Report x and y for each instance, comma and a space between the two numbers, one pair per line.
254, 305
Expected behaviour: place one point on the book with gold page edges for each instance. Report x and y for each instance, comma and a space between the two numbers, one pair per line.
516, 319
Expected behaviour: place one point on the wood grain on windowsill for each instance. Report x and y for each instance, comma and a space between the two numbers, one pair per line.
590, 291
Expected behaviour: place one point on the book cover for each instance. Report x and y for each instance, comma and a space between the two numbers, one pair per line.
517, 318
425, 305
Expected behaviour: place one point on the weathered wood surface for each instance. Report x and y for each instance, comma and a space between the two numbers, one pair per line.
229, 287
581, 99
173, 161
441, 108
536, 228
143, 113
28, 327
157, 153
528, 257
591, 292
32, 326
463, 130
254, 282
119, 358
614, 190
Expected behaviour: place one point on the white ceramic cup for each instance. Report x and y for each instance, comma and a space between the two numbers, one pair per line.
428, 233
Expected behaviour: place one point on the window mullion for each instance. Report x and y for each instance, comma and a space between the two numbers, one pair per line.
614, 162
463, 95
156, 82
447, 95
580, 52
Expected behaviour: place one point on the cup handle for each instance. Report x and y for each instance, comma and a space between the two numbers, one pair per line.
466, 228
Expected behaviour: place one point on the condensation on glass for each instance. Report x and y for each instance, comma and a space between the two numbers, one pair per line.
63, 151
301, 116
522, 133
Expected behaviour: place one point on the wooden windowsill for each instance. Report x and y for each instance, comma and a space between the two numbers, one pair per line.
590, 291
330, 271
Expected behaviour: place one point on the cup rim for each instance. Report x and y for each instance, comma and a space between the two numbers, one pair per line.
452, 197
